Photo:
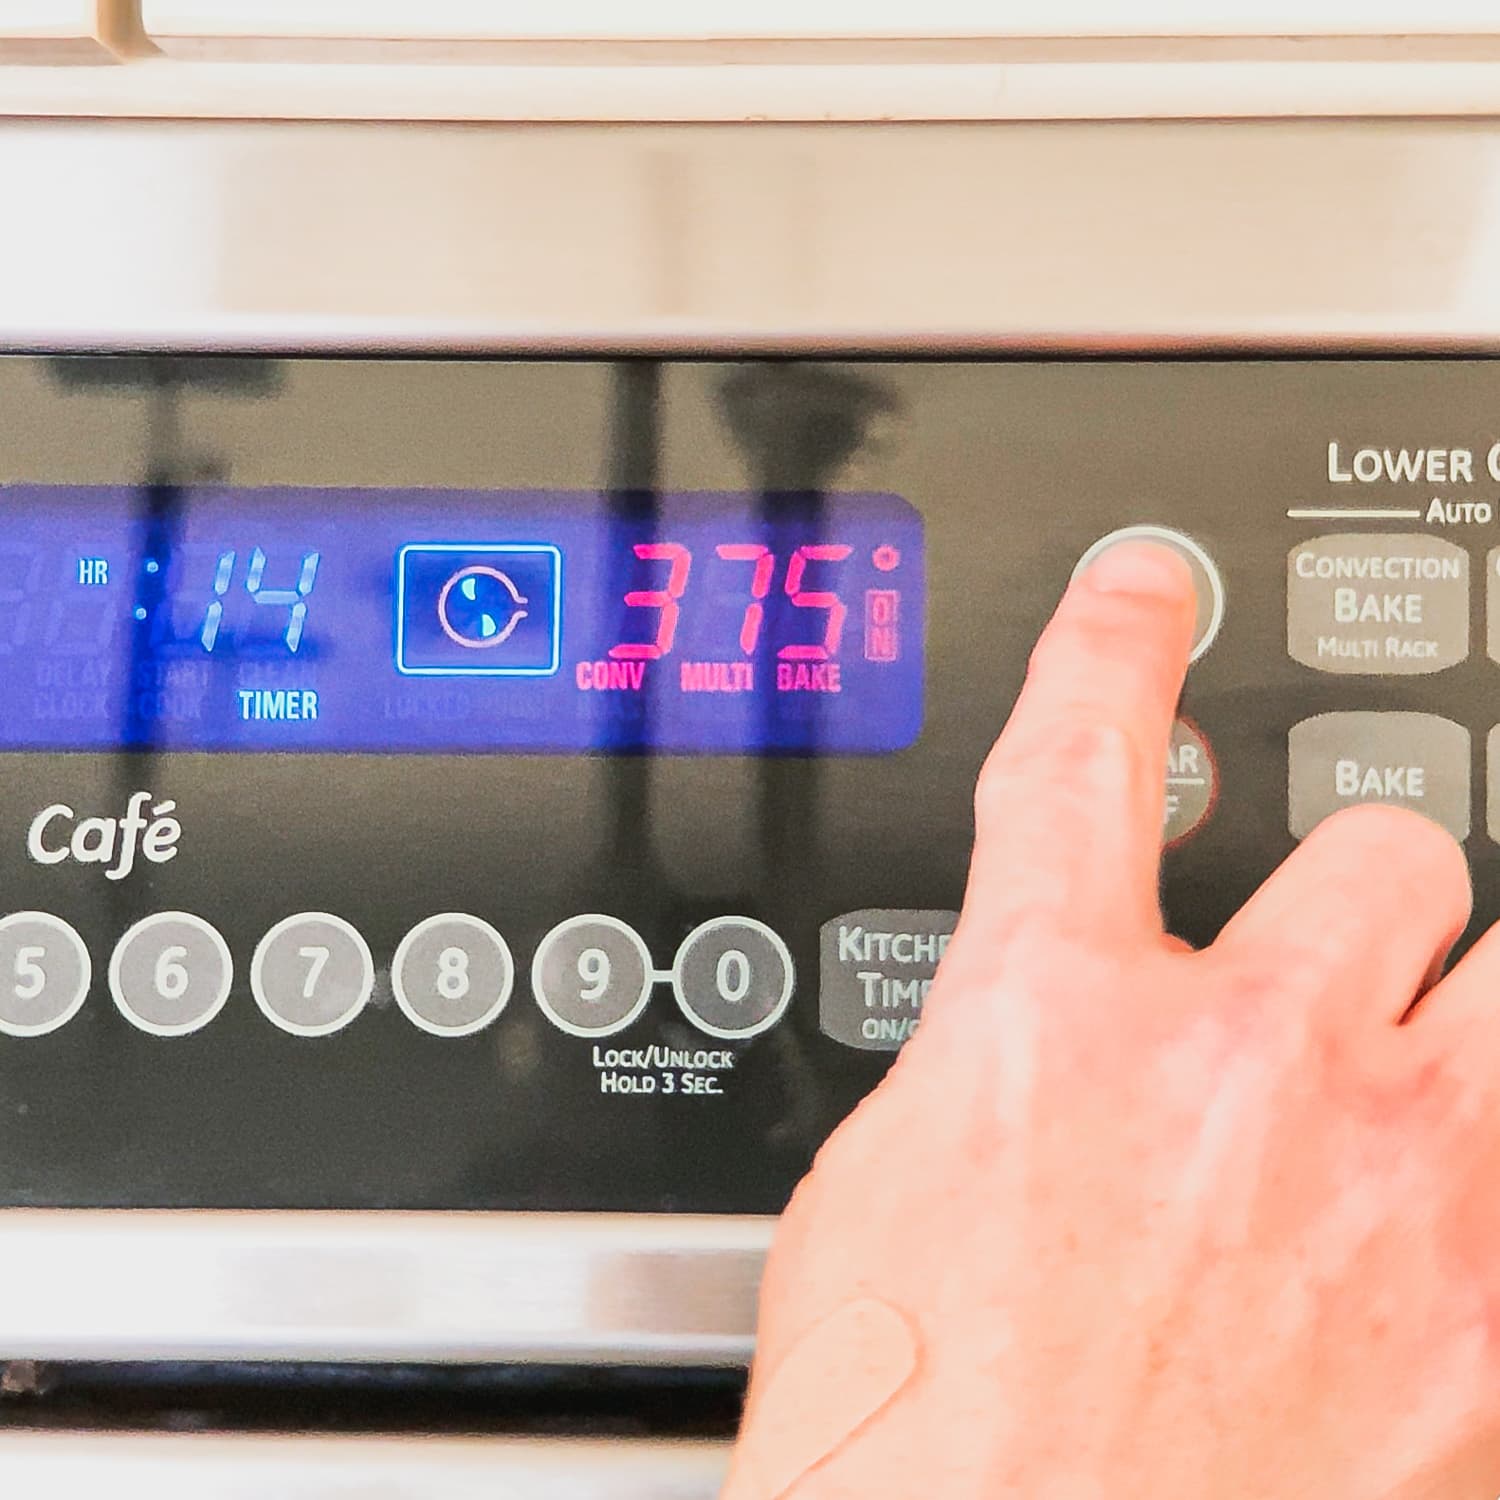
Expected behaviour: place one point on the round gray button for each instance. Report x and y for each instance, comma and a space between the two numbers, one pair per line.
312, 973
44, 973
452, 974
1206, 581
170, 973
733, 977
592, 975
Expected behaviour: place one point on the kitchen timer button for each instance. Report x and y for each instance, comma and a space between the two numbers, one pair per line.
170, 973
1207, 584
312, 973
452, 974
44, 973
592, 975
733, 977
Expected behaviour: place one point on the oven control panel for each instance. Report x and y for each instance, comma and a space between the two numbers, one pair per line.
505, 785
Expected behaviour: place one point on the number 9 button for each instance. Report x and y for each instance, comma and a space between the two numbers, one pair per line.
44, 973
170, 973
452, 974
311, 974
592, 975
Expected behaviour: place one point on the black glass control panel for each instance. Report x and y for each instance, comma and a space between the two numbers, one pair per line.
518, 785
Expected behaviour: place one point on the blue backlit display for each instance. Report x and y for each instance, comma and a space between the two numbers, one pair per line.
432, 621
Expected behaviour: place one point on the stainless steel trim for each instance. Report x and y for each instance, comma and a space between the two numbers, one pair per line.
138, 1466
1066, 237
142, 1285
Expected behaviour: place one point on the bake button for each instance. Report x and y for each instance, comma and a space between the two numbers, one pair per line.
452, 974
311, 974
44, 973
1404, 759
1379, 606
733, 977
1192, 783
170, 973
1207, 584
875, 968
592, 975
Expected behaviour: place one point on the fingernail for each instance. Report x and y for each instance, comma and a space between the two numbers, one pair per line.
1139, 567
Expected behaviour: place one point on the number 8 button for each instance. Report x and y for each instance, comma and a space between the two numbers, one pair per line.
452, 974
733, 977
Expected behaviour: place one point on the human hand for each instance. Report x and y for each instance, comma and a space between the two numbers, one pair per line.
1130, 1220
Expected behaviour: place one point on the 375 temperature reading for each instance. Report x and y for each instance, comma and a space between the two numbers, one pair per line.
762, 564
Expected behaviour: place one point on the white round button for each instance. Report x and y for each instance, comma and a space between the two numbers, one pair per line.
733, 977
312, 973
45, 973
1207, 584
170, 973
592, 975
452, 974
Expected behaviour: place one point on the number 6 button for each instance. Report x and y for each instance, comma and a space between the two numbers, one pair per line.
311, 974
452, 974
44, 973
170, 973
733, 977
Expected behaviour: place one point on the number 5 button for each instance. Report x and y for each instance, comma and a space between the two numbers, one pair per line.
733, 977
452, 974
44, 973
312, 974
170, 973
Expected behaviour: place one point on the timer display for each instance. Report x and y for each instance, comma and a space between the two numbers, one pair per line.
434, 621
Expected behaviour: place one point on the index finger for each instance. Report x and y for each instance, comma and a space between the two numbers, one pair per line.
1069, 806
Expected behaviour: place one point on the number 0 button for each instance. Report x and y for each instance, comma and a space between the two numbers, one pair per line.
312, 974
44, 973
733, 977
592, 975
452, 974
170, 973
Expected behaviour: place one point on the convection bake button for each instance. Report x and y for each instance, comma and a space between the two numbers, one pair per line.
592, 975
170, 973
875, 969
1206, 581
1405, 759
44, 973
733, 977
452, 974
1381, 606
312, 973
1192, 783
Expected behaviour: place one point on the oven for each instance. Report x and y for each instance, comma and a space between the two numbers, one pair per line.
498, 625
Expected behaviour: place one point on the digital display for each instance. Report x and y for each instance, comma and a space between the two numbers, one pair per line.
415, 621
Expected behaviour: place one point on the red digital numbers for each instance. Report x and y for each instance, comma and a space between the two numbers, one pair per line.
760, 585
802, 598
667, 601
